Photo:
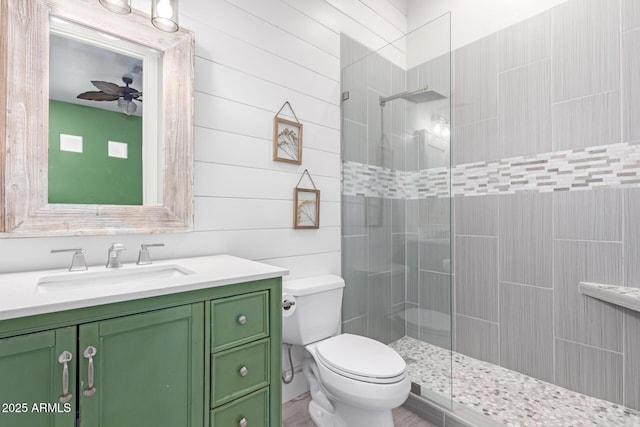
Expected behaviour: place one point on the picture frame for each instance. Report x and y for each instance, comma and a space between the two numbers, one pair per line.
287, 141
306, 205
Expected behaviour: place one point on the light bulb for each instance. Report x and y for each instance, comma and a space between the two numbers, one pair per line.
117, 6
164, 9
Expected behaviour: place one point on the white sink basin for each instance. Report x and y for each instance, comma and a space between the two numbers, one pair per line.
115, 276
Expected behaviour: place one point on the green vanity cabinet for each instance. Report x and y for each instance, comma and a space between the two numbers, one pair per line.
203, 358
147, 369
30, 374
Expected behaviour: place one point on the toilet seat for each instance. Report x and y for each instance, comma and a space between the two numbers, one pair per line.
361, 358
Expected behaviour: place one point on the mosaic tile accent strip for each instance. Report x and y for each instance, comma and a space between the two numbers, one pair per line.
505, 396
614, 165
371, 181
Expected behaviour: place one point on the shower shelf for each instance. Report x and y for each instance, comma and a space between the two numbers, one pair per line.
620, 295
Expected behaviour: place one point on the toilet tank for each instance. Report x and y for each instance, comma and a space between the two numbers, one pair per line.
318, 309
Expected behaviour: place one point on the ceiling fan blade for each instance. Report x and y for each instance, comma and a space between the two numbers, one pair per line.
108, 87
98, 96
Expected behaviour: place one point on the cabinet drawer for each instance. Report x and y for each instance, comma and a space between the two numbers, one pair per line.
238, 320
239, 371
253, 409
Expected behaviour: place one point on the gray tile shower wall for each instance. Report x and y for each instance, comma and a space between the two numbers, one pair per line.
631, 240
527, 311
475, 82
585, 40
525, 238
562, 81
523, 110
631, 82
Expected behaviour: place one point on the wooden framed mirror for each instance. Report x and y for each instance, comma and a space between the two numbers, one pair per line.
24, 124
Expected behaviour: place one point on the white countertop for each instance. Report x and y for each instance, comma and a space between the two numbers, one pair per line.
21, 296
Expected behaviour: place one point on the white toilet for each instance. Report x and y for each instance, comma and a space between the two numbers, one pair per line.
354, 381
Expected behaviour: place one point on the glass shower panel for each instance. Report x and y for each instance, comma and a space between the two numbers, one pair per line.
396, 204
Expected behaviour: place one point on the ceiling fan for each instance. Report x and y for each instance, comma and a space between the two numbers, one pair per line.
124, 95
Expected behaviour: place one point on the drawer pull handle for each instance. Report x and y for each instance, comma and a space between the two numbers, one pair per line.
242, 320
243, 422
64, 358
88, 353
243, 371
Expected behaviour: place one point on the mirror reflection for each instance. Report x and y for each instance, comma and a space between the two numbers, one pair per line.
103, 109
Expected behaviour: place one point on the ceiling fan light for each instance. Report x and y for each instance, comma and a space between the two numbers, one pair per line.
117, 6
164, 15
126, 106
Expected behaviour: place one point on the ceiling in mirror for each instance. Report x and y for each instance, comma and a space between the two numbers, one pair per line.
89, 67
74, 65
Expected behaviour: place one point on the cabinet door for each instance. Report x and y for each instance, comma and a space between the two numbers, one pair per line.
31, 379
147, 370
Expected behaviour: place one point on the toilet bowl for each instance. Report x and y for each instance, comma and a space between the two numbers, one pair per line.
353, 380
363, 378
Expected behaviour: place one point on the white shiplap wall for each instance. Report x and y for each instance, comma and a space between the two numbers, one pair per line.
251, 56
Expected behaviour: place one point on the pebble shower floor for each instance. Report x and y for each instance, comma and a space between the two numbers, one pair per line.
507, 397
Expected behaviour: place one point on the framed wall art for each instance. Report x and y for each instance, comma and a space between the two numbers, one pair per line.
287, 138
306, 205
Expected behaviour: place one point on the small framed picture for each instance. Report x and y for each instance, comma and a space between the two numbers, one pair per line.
287, 141
306, 203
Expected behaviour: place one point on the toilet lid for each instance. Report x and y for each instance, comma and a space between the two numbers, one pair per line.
361, 358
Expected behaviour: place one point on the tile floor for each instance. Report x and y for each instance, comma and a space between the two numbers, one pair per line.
505, 396
295, 414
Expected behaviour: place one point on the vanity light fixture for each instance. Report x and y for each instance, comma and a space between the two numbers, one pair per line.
164, 15
117, 6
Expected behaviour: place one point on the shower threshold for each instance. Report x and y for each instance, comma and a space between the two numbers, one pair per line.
504, 396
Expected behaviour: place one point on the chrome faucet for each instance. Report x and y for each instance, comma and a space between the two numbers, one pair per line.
78, 262
113, 257
144, 257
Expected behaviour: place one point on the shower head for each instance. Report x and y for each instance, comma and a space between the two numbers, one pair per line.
416, 96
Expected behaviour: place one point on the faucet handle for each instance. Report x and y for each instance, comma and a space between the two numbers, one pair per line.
113, 255
144, 256
78, 262
117, 247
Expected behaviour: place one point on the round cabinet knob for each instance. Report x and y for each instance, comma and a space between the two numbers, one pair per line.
243, 371
242, 320
243, 423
